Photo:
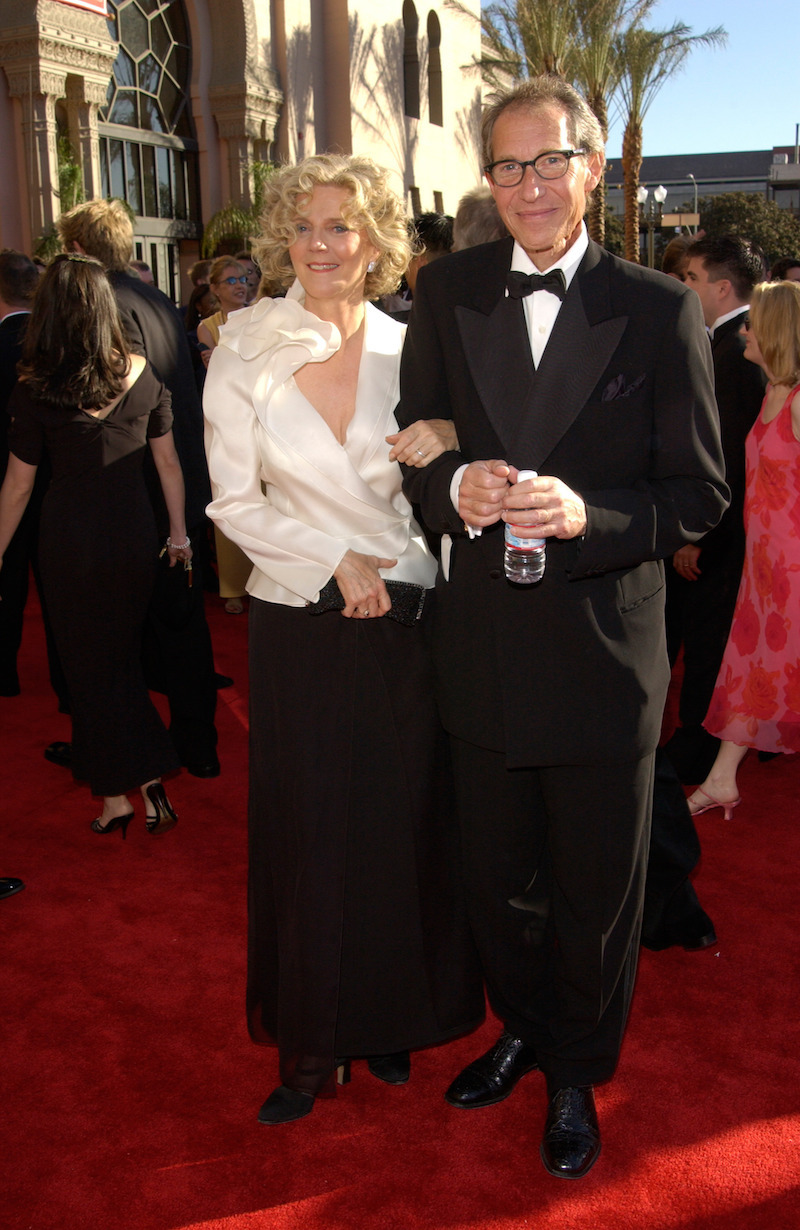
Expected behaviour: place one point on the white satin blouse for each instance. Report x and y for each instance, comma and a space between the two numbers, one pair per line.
319, 497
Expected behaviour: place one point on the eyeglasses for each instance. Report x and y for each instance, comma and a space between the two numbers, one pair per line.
234, 281
552, 164
746, 321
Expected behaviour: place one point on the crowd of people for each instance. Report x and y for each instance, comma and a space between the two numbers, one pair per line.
491, 806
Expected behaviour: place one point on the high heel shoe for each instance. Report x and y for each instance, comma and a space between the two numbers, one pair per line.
165, 817
118, 822
391, 1069
711, 804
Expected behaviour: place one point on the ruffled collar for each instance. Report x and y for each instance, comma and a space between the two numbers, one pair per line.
281, 331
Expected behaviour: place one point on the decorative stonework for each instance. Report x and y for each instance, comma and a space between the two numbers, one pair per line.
56, 52
246, 112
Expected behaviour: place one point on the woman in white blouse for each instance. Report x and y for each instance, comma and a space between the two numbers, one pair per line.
358, 943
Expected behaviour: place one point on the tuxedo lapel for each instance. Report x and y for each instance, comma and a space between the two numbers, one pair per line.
530, 409
499, 358
576, 355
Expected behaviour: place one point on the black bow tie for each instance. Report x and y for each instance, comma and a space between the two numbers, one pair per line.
521, 284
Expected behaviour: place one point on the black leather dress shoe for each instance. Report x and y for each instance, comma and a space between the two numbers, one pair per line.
698, 943
59, 753
493, 1077
571, 1143
392, 1069
284, 1105
208, 768
10, 885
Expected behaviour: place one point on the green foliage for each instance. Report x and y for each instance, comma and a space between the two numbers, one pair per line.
614, 239
775, 230
70, 177
70, 192
232, 228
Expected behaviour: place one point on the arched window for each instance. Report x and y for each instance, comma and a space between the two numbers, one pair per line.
153, 166
435, 109
411, 60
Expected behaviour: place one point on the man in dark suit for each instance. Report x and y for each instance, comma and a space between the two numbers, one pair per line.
704, 580
553, 693
178, 656
19, 279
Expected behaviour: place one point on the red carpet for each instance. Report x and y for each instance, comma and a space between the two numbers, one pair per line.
130, 1088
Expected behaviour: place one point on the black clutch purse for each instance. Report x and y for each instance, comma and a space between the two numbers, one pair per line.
407, 601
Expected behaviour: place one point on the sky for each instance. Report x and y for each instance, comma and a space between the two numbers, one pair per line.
744, 96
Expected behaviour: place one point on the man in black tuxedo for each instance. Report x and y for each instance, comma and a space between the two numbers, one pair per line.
553, 693
704, 580
19, 279
178, 656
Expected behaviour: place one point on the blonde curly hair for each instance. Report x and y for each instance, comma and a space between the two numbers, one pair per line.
373, 206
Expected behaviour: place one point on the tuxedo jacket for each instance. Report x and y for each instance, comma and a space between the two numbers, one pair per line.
739, 388
621, 409
11, 332
155, 330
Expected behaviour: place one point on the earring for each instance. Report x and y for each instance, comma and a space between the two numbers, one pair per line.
371, 267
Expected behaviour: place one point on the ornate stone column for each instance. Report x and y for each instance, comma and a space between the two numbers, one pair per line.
84, 98
44, 46
38, 91
246, 120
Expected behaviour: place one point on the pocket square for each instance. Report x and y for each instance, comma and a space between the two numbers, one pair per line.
619, 387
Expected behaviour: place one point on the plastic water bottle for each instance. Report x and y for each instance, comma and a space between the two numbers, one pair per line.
524, 558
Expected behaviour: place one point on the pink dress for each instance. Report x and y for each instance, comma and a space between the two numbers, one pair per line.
756, 701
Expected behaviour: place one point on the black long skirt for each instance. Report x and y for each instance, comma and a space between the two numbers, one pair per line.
358, 937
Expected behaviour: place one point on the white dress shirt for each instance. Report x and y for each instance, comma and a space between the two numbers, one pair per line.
541, 309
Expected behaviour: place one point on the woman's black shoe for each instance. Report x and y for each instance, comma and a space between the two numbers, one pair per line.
284, 1105
164, 818
118, 822
392, 1069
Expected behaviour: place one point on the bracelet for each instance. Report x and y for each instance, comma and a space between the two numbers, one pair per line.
178, 546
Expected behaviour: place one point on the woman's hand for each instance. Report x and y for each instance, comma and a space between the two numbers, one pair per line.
362, 585
179, 551
418, 444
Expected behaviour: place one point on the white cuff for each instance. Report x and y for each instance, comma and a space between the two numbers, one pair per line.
474, 531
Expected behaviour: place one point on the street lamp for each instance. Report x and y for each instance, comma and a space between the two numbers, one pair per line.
694, 182
650, 218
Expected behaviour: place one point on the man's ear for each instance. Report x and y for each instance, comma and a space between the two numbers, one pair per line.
595, 164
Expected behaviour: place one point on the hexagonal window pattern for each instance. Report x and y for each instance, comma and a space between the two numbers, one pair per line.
133, 30
149, 74
152, 34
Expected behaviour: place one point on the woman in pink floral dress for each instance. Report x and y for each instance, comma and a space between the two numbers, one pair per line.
756, 702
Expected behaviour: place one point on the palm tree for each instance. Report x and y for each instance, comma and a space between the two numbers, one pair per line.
647, 58
523, 38
234, 226
596, 71
576, 40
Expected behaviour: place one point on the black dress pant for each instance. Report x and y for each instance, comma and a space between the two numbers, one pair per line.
555, 873
179, 659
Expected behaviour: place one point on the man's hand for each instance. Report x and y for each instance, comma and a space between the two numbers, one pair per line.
480, 495
685, 562
546, 506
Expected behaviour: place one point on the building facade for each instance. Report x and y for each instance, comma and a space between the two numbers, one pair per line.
168, 103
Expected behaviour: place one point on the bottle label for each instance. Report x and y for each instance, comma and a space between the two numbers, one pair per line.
517, 543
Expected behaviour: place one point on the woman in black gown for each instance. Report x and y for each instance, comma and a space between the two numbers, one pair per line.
95, 409
359, 944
